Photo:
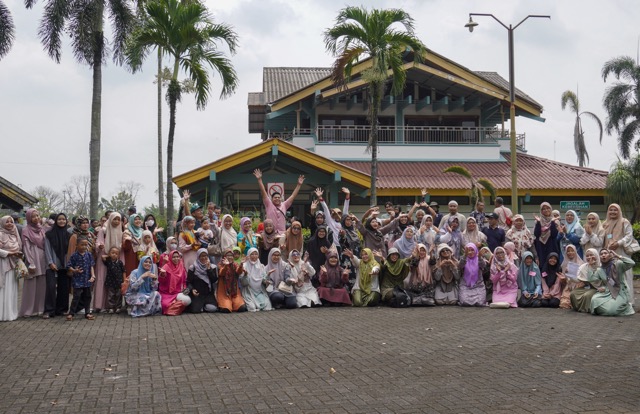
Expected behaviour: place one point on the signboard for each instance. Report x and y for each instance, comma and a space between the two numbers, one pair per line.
275, 188
575, 205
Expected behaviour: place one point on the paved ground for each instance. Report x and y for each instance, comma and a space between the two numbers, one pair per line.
445, 359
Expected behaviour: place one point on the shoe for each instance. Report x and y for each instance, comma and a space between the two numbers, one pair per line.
45, 316
117, 311
90, 317
110, 311
81, 312
69, 317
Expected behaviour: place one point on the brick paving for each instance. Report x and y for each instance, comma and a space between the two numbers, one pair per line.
444, 359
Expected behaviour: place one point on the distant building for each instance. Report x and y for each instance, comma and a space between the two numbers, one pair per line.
13, 197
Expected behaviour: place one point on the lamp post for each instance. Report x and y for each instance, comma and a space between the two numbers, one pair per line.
512, 100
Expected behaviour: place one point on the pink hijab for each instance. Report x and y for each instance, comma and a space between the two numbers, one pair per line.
34, 233
9, 238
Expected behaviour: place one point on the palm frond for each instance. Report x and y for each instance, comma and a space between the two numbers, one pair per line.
595, 118
456, 169
123, 20
7, 30
621, 67
569, 97
489, 186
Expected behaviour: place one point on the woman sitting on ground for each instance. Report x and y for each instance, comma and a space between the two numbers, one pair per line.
279, 274
504, 275
612, 298
142, 295
302, 271
333, 281
228, 293
446, 276
393, 272
254, 283
472, 290
553, 282
201, 278
570, 266
529, 282
584, 290
419, 285
366, 290
172, 286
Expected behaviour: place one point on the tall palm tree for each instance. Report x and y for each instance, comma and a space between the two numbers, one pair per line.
185, 32
384, 36
476, 185
569, 97
623, 185
83, 21
622, 102
7, 30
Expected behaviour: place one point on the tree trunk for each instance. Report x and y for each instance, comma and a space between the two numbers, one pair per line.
96, 110
173, 94
375, 99
160, 182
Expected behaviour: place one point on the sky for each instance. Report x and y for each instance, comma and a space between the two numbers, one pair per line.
45, 106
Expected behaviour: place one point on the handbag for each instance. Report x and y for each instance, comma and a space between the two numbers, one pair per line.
507, 219
401, 298
284, 288
21, 269
633, 247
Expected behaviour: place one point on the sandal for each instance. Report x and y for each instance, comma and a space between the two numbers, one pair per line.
90, 317
69, 317
45, 316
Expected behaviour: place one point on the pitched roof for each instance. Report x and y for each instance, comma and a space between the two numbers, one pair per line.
256, 99
534, 173
498, 80
280, 82
13, 196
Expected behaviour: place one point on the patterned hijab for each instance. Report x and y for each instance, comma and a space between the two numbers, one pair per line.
523, 239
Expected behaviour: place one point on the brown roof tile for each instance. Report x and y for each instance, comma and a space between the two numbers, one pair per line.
280, 82
534, 173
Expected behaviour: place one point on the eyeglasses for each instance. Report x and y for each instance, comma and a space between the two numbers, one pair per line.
296, 227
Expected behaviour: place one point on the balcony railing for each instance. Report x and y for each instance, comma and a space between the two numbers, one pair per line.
409, 135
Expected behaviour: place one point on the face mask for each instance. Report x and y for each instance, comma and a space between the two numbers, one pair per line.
173, 247
149, 223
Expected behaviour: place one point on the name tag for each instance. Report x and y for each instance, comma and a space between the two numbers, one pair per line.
544, 274
532, 273
609, 236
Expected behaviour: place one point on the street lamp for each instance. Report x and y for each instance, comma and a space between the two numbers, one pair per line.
512, 99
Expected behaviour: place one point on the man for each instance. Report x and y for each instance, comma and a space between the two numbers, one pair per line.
434, 210
198, 214
480, 215
502, 212
275, 208
495, 235
453, 212
132, 210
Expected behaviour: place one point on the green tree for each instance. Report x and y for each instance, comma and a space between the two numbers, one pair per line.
476, 185
185, 32
623, 185
570, 98
622, 102
119, 202
384, 36
7, 30
84, 21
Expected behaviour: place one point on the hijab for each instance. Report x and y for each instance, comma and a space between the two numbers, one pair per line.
575, 227
229, 276
189, 235
510, 249
171, 240
523, 239
136, 232
545, 225
376, 234
404, 245
255, 270
334, 273
269, 240
598, 229
229, 237
613, 227
456, 237
471, 267
447, 272
315, 245
365, 269
421, 275
77, 230
529, 275
199, 269
565, 262
10, 239
281, 271
176, 272
394, 267
112, 235
155, 222
586, 271
147, 248
350, 232
475, 236
549, 271
34, 232
500, 265
292, 241
146, 287
59, 238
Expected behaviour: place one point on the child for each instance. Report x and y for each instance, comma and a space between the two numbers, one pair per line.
147, 247
114, 279
80, 269
205, 234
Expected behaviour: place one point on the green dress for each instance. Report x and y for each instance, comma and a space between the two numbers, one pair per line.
392, 275
614, 301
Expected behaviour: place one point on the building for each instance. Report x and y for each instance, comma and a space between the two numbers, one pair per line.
447, 115
13, 197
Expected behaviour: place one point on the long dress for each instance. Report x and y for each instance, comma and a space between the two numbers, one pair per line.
392, 275
333, 283
142, 296
253, 289
614, 301
228, 293
306, 294
35, 285
172, 283
581, 296
8, 288
419, 284
446, 284
108, 237
366, 290
472, 291
504, 276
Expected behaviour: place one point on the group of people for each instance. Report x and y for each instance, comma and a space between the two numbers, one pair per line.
400, 259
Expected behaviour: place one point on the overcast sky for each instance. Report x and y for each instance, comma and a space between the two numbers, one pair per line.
45, 107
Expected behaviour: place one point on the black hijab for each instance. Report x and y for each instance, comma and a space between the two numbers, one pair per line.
59, 237
552, 270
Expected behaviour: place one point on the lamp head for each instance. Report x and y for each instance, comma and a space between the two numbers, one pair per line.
470, 24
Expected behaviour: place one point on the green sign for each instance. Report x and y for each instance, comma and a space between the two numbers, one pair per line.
575, 205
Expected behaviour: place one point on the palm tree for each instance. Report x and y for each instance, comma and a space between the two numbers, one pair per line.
83, 21
7, 30
185, 32
476, 185
384, 36
622, 102
569, 97
623, 185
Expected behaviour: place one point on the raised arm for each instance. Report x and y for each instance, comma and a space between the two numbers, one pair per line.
263, 190
293, 195
347, 197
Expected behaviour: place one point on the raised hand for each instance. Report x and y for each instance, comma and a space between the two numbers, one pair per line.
346, 190
424, 192
300, 179
314, 204
257, 173
319, 192
186, 194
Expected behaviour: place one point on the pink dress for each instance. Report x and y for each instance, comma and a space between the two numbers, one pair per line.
171, 284
505, 284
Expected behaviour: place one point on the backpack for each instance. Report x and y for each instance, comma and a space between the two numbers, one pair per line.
401, 298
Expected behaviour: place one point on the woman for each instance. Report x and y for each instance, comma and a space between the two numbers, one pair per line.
472, 235
279, 274
450, 234
571, 232
246, 236
81, 229
406, 244
393, 272
131, 240
56, 245
254, 283
188, 243
293, 239
147, 247
172, 285
570, 266
419, 285
529, 282
553, 282
373, 234
201, 279
35, 283
472, 290
268, 238
446, 276
151, 224
593, 237
612, 298
110, 235
302, 272
333, 281
10, 252
228, 292
504, 276
172, 245
366, 290
520, 235
142, 295
584, 290
546, 233
618, 234
427, 233
318, 247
